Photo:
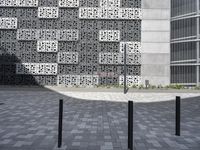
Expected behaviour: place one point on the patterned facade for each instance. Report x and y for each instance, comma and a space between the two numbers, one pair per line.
69, 42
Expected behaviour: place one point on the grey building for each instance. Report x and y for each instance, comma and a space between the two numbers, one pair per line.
155, 41
82, 42
185, 55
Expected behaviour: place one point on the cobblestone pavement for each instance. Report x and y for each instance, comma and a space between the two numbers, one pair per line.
98, 121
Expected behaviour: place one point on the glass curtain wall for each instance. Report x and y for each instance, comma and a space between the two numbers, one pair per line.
185, 37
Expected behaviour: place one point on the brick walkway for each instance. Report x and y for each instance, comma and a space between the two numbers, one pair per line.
97, 121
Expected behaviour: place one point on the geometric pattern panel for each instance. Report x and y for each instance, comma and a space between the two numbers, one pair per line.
78, 80
68, 3
109, 13
8, 23
109, 58
47, 34
48, 12
109, 35
68, 35
118, 58
26, 34
68, 58
130, 80
109, 3
36, 68
131, 47
18, 3
109, 9
47, 46
132, 59
78, 40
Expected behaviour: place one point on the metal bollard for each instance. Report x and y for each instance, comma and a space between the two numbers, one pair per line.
125, 67
130, 125
178, 115
60, 123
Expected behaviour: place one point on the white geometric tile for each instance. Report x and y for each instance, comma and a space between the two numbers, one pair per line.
78, 80
109, 13
18, 3
37, 68
131, 47
8, 23
130, 80
27, 34
109, 35
110, 3
68, 3
47, 46
68, 58
48, 12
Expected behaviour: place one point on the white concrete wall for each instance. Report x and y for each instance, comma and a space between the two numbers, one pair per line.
155, 40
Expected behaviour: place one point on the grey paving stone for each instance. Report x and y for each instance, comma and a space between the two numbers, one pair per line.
28, 121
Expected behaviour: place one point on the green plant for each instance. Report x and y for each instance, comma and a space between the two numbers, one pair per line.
197, 88
117, 86
76, 86
134, 86
160, 86
121, 86
167, 87
152, 86
176, 86
109, 86
141, 86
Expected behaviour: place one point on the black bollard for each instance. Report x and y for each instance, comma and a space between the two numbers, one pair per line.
125, 66
130, 125
178, 115
60, 123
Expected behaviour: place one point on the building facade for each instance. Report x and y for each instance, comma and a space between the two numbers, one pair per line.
82, 42
185, 55
155, 41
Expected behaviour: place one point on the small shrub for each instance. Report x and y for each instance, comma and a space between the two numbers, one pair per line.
160, 86
167, 87
152, 86
141, 86
197, 88
134, 86
176, 86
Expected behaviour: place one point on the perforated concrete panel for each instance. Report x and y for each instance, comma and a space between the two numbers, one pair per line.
69, 42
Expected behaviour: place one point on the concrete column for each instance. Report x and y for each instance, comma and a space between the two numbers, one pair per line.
155, 40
